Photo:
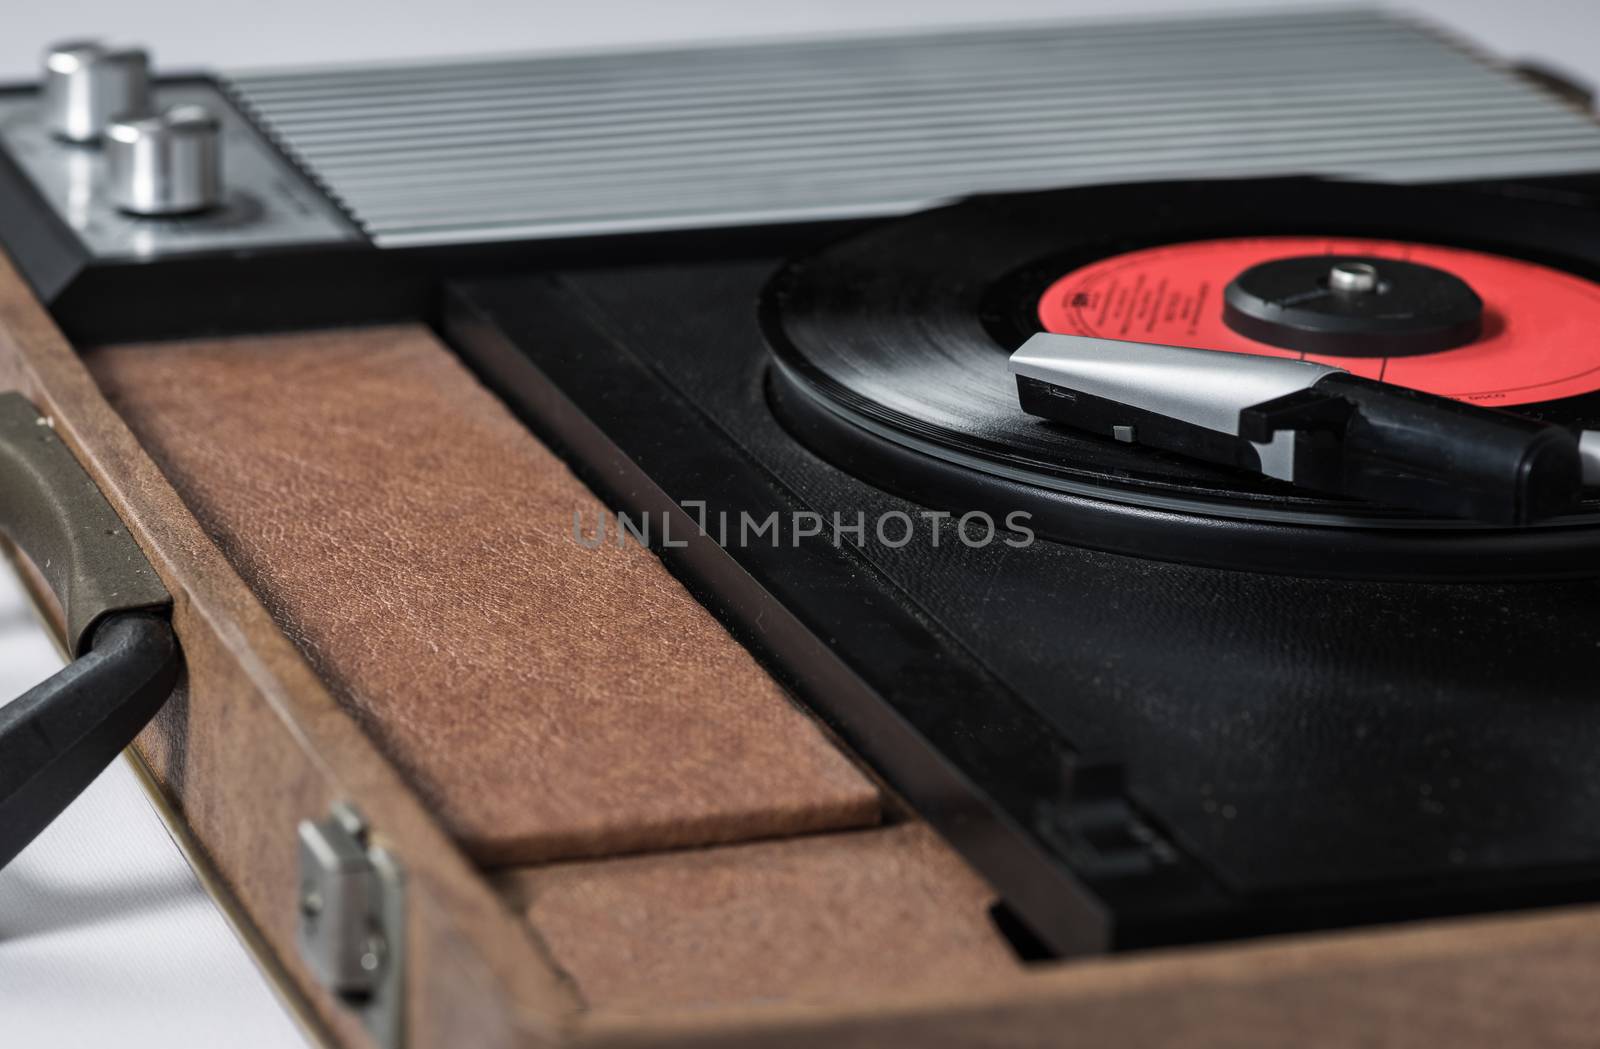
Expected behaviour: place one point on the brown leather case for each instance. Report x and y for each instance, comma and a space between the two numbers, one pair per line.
615, 829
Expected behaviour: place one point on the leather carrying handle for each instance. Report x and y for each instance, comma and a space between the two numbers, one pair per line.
56, 738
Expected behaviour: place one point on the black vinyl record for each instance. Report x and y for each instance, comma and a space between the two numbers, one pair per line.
891, 352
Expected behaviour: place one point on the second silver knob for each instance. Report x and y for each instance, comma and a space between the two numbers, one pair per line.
166, 164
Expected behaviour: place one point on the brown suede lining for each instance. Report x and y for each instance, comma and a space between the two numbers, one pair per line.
415, 540
807, 920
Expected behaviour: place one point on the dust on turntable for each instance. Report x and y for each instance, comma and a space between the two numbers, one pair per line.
1203, 704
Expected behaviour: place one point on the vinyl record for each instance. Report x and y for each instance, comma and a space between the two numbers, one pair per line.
891, 352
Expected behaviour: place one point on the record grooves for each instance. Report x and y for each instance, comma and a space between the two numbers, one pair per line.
891, 348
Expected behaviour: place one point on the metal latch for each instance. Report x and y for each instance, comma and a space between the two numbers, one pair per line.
352, 920
58, 736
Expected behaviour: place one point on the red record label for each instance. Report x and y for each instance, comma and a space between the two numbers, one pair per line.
1541, 327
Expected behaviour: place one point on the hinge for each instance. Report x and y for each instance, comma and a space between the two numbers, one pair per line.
352, 920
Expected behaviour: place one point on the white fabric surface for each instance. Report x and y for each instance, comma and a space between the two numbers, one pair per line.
106, 938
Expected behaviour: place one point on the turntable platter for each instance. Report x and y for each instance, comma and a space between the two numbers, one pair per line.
891, 351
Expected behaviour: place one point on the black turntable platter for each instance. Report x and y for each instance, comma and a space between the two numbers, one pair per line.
891, 352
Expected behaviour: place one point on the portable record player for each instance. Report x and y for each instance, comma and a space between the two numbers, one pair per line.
912, 539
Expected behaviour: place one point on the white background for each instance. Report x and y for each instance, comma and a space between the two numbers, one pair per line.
238, 33
105, 936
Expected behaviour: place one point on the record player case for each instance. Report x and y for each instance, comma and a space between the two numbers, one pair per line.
256, 743
371, 573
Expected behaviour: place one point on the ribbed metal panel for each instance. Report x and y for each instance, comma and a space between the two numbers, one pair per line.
555, 146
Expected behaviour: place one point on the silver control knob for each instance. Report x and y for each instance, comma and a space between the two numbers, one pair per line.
166, 164
87, 85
